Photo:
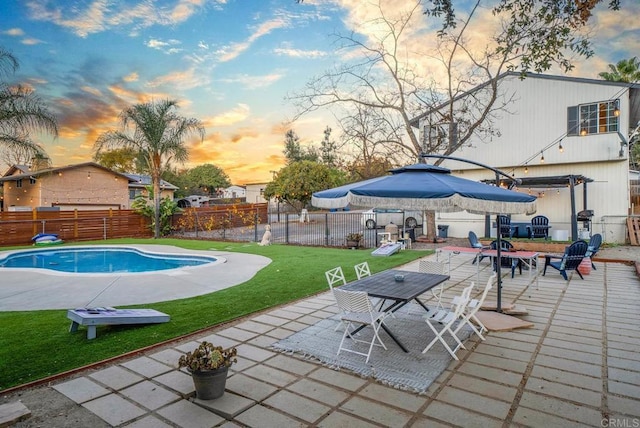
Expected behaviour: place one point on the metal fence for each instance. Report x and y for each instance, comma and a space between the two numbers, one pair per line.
321, 229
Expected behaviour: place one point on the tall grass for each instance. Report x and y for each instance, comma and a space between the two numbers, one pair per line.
37, 344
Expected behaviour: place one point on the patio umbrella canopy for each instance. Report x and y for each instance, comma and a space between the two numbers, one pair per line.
426, 187
429, 187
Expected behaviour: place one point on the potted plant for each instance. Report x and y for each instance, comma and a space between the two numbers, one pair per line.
209, 365
354, 239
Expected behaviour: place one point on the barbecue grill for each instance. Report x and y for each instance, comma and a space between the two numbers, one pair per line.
585, 217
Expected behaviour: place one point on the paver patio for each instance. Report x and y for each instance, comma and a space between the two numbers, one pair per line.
578, 366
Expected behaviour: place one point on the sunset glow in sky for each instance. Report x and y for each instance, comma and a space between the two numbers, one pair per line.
229, 63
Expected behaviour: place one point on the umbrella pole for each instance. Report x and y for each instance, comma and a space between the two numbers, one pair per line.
499, 254
498, 263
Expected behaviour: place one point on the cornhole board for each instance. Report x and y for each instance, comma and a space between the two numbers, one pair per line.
386, 250
92, 317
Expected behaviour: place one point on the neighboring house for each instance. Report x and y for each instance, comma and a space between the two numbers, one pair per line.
556, 131
234, 192
83, 186
138, 185
254, 193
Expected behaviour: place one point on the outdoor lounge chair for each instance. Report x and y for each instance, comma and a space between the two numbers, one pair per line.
539, 227
504, 226
357, 309
475, 243
570, 260
509, 262
593, 247
447, 318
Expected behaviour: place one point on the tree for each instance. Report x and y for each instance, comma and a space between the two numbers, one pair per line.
21, 112
328, 150
207, 178
626, 70
295, 183
168, 208
294, 152
157, 133
123, 159
544, 30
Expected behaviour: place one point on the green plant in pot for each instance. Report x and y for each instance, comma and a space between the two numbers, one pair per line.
209, 366
354, 239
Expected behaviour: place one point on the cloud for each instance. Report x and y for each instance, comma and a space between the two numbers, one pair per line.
254, 82
31, 41
230, 117
235, 49
101, 15
131, 77
16, 32
299, 53
185, 79
166, 47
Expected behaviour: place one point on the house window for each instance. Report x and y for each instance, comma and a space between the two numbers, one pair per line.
32, 180
134, 193
596, 118
19, 183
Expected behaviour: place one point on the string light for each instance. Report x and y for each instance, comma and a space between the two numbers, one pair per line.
541, 156
560, 148
526, 169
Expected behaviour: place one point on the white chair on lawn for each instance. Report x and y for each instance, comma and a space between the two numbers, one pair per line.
362, 270
357, 309
447, 318
336, 277
429, 266
473, 306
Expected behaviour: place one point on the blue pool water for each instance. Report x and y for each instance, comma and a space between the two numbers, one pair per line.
100, 260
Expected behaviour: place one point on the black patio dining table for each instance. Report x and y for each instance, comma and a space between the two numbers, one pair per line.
384, 286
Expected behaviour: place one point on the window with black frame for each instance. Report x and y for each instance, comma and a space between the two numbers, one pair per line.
594, 118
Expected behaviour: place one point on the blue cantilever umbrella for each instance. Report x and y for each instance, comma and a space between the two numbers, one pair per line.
426, 187
429, 187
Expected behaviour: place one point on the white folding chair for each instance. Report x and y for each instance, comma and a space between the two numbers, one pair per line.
334, 277
429, 266
362, 270
473, 306
357, 309
447, 318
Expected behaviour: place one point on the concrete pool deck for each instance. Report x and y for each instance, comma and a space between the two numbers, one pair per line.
36, 289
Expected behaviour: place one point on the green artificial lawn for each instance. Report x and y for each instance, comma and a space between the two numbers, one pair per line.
37, 344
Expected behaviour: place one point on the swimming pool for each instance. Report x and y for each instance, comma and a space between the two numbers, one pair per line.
100, 260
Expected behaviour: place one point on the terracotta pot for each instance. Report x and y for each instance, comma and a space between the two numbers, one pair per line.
585, 266
210, 384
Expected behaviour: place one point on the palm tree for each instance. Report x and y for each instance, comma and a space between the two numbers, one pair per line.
21, 111
156, 132
626, 70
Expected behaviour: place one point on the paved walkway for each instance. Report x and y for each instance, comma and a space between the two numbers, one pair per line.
578, 366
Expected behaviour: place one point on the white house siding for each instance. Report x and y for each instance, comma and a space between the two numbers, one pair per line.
536, 118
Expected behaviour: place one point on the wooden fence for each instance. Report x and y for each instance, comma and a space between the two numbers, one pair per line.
18, 227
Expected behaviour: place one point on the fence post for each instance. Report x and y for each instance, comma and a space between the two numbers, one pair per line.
256, 219
286, 228
326, 229
104, 228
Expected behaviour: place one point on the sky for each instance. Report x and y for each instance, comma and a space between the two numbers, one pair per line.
228, 63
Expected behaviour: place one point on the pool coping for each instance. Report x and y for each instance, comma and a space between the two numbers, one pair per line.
38, 289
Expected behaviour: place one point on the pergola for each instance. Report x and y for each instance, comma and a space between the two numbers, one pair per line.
556, 181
